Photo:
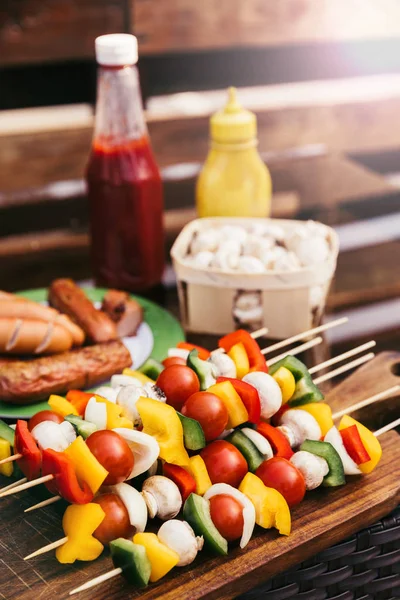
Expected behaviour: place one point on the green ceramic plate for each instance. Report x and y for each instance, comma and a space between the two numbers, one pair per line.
159, 332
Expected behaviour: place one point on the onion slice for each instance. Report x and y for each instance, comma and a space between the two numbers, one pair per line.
249, 513
134, 504
260, 442
178, 352
144, 447
123, 380
96, 412
50, 435
333, 437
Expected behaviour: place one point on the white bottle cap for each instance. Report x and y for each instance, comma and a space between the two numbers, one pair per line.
116, 49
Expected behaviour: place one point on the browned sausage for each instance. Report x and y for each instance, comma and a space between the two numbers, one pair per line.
25, 382
124, 311
68, 298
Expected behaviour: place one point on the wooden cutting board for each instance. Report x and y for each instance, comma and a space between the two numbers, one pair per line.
324, 518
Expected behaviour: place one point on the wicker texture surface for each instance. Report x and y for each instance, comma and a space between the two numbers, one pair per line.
363, 567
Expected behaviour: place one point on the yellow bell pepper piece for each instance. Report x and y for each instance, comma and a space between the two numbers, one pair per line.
271, 507
5, 451
114, 415
322, 413
236, 409
199, 471
86, 465
239, 356
286, 381
138, 375
370, 442
79, 522
161, 421
161, 558
61, 406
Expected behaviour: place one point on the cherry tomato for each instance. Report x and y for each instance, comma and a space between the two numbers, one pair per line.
227, 516
44, 415
173, 360
178, 383
209, 411
112, 451
116, 522
224, 463
282, 475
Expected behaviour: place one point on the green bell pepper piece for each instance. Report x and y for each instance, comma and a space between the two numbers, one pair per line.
133, 561
196, 512
325, 450
251, 453
305, 392
202, 368
193, 434
7, 433
292, 364
82, 427
152, 368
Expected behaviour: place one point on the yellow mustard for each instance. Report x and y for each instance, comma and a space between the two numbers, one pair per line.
234, 180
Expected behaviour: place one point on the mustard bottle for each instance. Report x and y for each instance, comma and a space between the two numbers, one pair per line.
234, 180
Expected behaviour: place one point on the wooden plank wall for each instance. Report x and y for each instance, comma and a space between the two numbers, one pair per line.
182, 25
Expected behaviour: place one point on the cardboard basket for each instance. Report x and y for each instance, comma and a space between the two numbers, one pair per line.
207, 296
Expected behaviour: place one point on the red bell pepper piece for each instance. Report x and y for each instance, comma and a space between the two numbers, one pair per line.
248, 395
280, 445
65, 482
25, 444
79, 400
203, 352
256, 359
354, 446
184, 480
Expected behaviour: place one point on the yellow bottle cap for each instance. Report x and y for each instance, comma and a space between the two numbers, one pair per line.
233, 123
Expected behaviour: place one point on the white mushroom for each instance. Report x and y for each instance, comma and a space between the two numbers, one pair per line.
312, 467
227, 255
250, 264
162, 497
257, 246
316, 296
312, 251
290, 435
304, 425
179, 352
108, 393
49, 434
180, 537
154, 392
287, 262
118, 381
203, 259
208, 239
268, 390
96, 412
224, 365
248, 307
233, 232
127, 398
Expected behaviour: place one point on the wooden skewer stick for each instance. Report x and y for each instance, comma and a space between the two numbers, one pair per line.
388, 427
351, 365
43, 503
340, 357
13, 485
47, 548
296, 350
304, 334
10, 459
259, 332
27, 485
386, 394
96, 581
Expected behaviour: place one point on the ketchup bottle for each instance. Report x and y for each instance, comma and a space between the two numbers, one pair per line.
123, 180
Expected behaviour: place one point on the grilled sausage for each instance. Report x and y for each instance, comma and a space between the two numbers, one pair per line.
25, 382
68, 298
124, 311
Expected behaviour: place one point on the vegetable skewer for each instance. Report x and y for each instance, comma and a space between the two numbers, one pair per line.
301, 336
118, 571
